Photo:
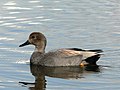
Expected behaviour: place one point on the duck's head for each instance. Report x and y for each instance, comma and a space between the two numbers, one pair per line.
37, 39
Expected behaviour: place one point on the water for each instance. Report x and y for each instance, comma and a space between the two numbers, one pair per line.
88, 24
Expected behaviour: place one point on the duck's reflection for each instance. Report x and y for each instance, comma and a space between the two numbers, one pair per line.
40, 72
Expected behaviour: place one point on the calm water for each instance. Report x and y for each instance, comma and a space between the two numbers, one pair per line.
88, 24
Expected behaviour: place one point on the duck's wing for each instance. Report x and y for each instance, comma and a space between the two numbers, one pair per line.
67, 52
90, 56
72, 56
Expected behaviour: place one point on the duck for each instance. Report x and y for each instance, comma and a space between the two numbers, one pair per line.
59, 57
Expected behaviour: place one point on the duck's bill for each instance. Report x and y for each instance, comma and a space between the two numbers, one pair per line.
24, 44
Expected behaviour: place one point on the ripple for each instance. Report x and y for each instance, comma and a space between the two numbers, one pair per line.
34, 1
17, 8
6, 24
39, 17
34, 23
14, 12
1, 21
16, 26
56, 1
57, 9
117, 32
39, 6
46, 20
11, 3
16, 50
2, 86
22, 19
23, 62
8, 17
7, 39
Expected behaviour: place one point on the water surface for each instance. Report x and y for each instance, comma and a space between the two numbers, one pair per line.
88, 24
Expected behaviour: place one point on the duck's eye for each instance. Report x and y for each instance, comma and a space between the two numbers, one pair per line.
33, 37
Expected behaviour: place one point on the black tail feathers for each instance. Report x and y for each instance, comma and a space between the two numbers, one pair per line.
96, 50
92, 60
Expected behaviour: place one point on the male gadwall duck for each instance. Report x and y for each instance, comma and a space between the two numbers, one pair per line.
59, 57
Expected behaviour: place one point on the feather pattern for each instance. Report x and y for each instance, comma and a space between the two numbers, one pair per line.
59, 57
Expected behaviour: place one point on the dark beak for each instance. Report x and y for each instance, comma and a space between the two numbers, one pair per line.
24, 44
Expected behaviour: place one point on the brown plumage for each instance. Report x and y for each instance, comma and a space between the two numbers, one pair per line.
59, 57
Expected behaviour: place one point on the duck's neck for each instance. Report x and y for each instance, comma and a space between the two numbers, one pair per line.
39, 49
